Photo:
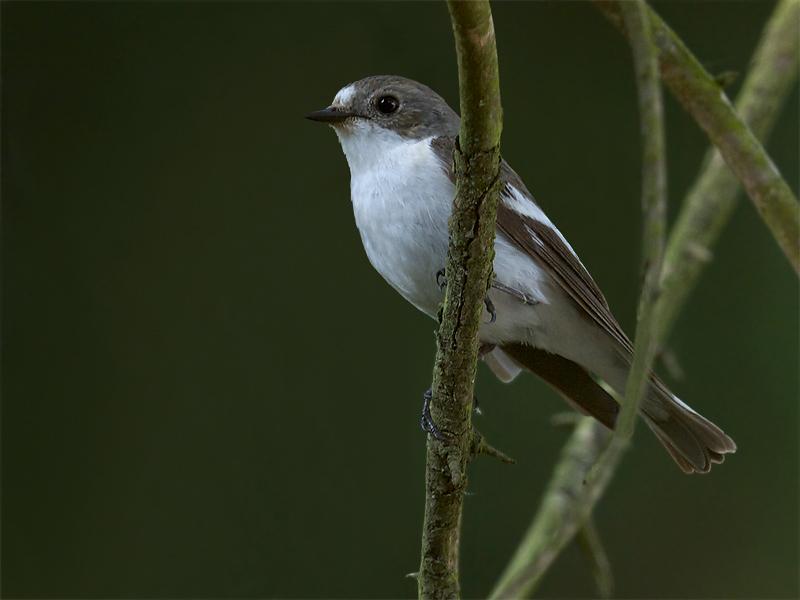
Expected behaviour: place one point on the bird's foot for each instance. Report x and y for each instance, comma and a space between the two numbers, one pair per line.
427, 423
441, 281
490, 309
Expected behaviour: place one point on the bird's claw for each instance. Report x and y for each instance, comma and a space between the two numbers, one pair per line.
426, 421
441, 279
490, 308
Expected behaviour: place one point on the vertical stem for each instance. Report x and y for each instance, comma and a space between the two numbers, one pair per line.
654, 203
468, 270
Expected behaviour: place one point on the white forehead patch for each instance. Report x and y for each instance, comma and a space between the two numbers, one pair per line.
344, 96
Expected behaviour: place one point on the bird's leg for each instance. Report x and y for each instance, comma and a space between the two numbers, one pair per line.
441, 281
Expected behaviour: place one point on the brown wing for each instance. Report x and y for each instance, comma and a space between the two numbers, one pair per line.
543, 244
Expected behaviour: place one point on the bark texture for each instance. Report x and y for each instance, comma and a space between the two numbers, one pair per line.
469, 273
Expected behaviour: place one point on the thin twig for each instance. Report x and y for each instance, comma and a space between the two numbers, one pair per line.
561, 514
710, 202
480, 446
654, 206
592, 546
468, 270
701, 96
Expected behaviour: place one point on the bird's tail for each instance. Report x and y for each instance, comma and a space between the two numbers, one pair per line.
693, 441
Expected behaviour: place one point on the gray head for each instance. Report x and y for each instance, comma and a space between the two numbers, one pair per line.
403, 106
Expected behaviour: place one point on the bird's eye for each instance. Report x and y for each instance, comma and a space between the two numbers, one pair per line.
387, 104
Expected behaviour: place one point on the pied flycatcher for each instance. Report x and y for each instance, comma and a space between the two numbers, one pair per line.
548, 316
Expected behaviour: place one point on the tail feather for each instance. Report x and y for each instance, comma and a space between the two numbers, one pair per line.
693, 441
673, 451
569, 379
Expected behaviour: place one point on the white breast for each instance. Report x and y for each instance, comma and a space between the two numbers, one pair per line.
401, 200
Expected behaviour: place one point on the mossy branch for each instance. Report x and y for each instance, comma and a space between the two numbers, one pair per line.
468, 271
701, 95
571, 494
710, 202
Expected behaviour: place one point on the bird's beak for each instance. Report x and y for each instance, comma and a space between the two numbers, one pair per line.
330, 115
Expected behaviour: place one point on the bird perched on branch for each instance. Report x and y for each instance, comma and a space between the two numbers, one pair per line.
545, 313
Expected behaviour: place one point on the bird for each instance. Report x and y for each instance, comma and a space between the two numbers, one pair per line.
544, 313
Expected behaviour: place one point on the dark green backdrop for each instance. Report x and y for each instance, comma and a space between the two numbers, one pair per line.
207, 391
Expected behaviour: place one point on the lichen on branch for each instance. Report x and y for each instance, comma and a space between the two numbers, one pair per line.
469, 272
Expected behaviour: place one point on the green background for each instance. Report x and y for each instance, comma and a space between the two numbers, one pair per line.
207, 390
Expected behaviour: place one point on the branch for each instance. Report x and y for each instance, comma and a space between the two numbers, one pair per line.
654, 207
592, 545
468, 272
580, 478
567, 503
711, 200
702, 97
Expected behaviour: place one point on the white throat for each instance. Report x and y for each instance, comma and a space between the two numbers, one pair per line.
401, 200
368, 146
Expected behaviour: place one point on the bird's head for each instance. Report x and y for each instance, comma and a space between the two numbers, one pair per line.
387, 105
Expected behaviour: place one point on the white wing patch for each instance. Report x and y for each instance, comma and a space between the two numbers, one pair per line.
520, 203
